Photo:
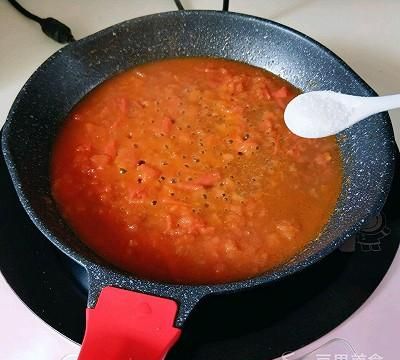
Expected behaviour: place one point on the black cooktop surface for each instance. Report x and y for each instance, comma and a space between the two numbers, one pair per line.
259, 324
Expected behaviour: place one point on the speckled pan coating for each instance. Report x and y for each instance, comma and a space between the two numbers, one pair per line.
69, 74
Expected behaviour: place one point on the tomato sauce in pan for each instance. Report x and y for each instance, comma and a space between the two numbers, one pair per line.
183, 171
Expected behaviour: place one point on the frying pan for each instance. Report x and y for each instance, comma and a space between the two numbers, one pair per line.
134, 318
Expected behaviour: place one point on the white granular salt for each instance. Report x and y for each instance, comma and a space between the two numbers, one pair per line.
317, 114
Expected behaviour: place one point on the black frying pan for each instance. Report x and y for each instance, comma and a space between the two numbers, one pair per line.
144, 322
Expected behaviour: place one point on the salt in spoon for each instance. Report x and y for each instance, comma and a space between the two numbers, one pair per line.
318, 114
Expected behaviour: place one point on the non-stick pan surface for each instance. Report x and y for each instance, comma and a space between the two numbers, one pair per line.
45, 100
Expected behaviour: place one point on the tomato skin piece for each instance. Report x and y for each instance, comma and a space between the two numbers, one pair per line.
166, 125
188, 186
208, 180
147, 172
247, 147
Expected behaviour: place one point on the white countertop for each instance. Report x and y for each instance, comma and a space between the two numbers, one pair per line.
365, 33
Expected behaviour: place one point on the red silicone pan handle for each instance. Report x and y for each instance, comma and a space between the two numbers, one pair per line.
127, 325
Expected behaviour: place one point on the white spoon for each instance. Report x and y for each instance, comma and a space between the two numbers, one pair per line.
322, 113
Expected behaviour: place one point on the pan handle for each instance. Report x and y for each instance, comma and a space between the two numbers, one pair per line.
129, 325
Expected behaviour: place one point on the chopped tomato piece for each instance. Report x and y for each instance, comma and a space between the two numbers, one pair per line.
282, 96
189, 224
126, 157
168, 223
208, 180
147, 172
110, 149
173, 109
123, 105
136, 193
247, 147
281, 93
323, 159
166, 125
189, 186
267, 122
99, 161
287, 229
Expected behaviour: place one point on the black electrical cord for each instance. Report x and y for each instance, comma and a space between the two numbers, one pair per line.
60, 32
179, 5
225, 6
25, 12
53, 28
